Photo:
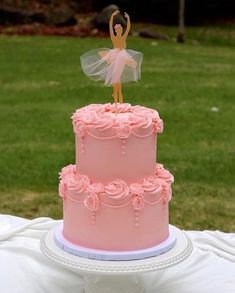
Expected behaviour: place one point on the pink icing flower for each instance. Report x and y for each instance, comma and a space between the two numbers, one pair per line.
144, 117
98, 108
136, 189
78, 184
164, 174
92, 202
96, 188
154, 114
75, 116
68, 170
121, 108
117, 189
141, 110
151, 185
109, 107
137, 202
123, 130
166, 193
124, 107
104, 122
137, 109
63, 189
158, 126
143, 121
80, 128
85, 115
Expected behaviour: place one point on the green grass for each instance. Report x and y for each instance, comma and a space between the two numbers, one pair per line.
41, 84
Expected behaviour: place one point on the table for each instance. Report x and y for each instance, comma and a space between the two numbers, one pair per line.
210, 267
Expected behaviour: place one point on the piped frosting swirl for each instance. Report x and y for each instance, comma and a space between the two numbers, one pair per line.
136, 120
75, 183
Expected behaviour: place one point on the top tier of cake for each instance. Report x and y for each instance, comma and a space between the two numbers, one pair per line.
116, 142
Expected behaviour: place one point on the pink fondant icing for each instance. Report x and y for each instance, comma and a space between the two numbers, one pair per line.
112, 145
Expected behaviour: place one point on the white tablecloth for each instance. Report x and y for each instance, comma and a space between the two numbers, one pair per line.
24, 269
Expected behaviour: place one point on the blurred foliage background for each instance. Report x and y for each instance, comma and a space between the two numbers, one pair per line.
199, 12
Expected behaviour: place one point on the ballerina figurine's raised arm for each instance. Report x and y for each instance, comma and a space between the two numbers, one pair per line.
114, 66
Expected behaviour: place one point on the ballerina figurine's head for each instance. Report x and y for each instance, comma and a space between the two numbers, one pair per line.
118, 29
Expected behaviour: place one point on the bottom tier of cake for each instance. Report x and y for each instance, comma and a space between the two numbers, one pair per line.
97, 254
116, 216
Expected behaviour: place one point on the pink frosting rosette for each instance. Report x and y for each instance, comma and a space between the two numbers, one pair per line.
158, 126
98, 108
141, 110
105, 122
78, 184
92, 202
76, 114
121, 108
136, 189
135, 120
138, 109
63, 189
67, 171
102, 118
151, 184
117, 189
138, 202
123, 130
108, 107
166, 191
154, 115
164, 174
85, 115
142, 121
96, 188
80, 128
148, 117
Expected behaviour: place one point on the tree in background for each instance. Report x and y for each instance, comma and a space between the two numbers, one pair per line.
199, 12
181, 29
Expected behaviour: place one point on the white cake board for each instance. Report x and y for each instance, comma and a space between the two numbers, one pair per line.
114, 255
102, 276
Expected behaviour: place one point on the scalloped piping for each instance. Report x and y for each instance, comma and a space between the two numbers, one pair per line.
116, 136
116, 206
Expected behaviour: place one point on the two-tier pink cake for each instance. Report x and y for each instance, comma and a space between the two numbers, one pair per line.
115, 199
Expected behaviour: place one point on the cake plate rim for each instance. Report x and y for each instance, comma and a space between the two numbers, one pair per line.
176, 255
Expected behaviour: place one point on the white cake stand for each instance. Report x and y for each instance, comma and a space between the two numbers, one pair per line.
116, 276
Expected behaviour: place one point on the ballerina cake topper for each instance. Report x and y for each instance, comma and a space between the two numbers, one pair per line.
114, 66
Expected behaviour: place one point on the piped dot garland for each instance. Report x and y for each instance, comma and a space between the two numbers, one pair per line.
123, 146
165, 200
93, 217
136, 218
83, 146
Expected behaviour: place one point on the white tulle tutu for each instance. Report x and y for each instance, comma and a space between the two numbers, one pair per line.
112, 65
